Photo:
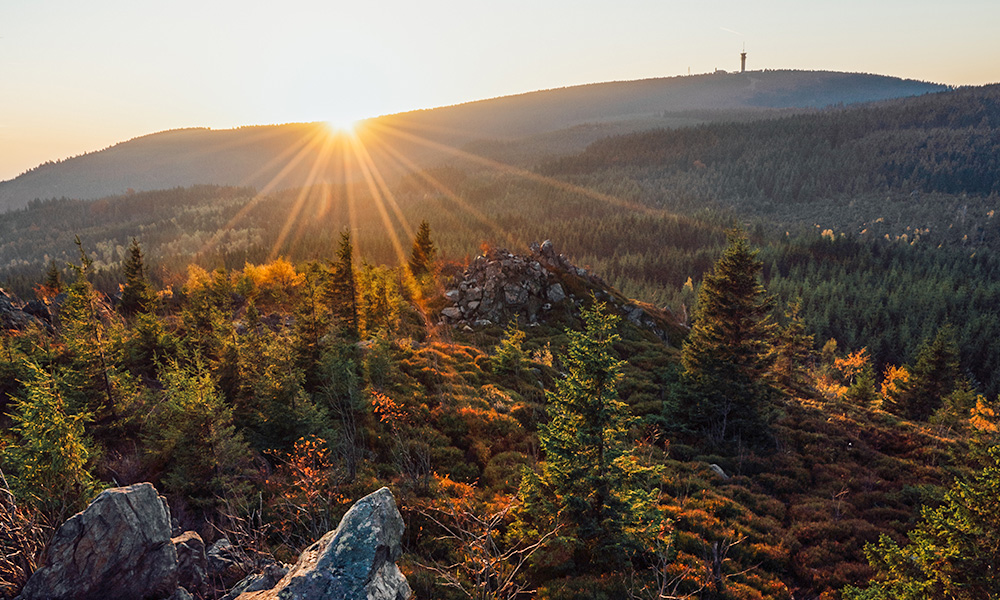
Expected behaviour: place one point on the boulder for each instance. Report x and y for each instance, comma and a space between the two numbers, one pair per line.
192, 562
356, 561
118, 547
256, 582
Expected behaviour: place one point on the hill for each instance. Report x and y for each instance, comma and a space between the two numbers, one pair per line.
537, 123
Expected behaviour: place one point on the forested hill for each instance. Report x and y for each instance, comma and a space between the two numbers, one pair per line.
537, 123
924, 166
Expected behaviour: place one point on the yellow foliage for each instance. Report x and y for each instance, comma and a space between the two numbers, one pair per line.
893, 381
983, 417
274, 281
198, 279
852, 364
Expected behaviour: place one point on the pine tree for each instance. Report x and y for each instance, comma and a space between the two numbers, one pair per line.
728, 352
423, 253
590, 475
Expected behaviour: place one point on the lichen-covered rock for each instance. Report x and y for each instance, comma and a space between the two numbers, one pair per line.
118, 547
356, 561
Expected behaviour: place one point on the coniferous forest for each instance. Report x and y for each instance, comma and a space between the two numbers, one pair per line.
814, 416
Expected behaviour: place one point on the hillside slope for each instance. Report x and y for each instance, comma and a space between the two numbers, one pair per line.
285, 156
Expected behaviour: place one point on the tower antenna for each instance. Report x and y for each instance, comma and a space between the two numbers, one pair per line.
743, 59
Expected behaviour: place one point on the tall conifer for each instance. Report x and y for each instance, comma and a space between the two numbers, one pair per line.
424, 251
728, 352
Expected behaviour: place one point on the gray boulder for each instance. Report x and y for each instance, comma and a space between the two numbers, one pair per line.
192, 563
356, 561
118, 547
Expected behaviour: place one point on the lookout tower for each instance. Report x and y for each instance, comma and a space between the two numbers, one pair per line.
743, 60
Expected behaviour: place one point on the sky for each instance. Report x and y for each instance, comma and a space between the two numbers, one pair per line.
79, 76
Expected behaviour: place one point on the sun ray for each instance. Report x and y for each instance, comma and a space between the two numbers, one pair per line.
262, 194
512, 170
322, 160
379, 204
451, 195
366, 159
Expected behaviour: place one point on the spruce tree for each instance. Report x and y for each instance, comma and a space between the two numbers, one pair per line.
590, 477
953, 550
87, 339
50, 454
137, 294
53, 279
933, 376
729, 351
342, 293
423, 253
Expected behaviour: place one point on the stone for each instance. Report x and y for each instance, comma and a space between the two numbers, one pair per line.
223, 559
258, 582
451, 312
555, 293
452, 295
118, 547
718, 471
192, 561
356, 561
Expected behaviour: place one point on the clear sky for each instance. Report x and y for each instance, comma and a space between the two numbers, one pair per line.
80, 75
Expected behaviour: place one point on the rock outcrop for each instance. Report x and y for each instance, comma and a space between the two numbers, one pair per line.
500, 286
356, 561
14, 317
118, 547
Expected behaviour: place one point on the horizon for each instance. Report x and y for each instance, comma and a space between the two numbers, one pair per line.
83, 78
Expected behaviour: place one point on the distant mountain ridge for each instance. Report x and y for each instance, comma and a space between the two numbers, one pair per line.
292, 155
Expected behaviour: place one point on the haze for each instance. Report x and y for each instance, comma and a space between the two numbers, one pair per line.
78, 77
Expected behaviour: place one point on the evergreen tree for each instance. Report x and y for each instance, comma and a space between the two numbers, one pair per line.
53, 280
793, 349
342, 293
954, 552
50, 453
87, 340
137, 294
590, 478
728, 352
311, 319
424, 251
933, 376
191, 438
510, 358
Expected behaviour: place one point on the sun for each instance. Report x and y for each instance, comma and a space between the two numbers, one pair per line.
343, 126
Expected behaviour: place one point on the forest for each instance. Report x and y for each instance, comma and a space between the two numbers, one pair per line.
819, 423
